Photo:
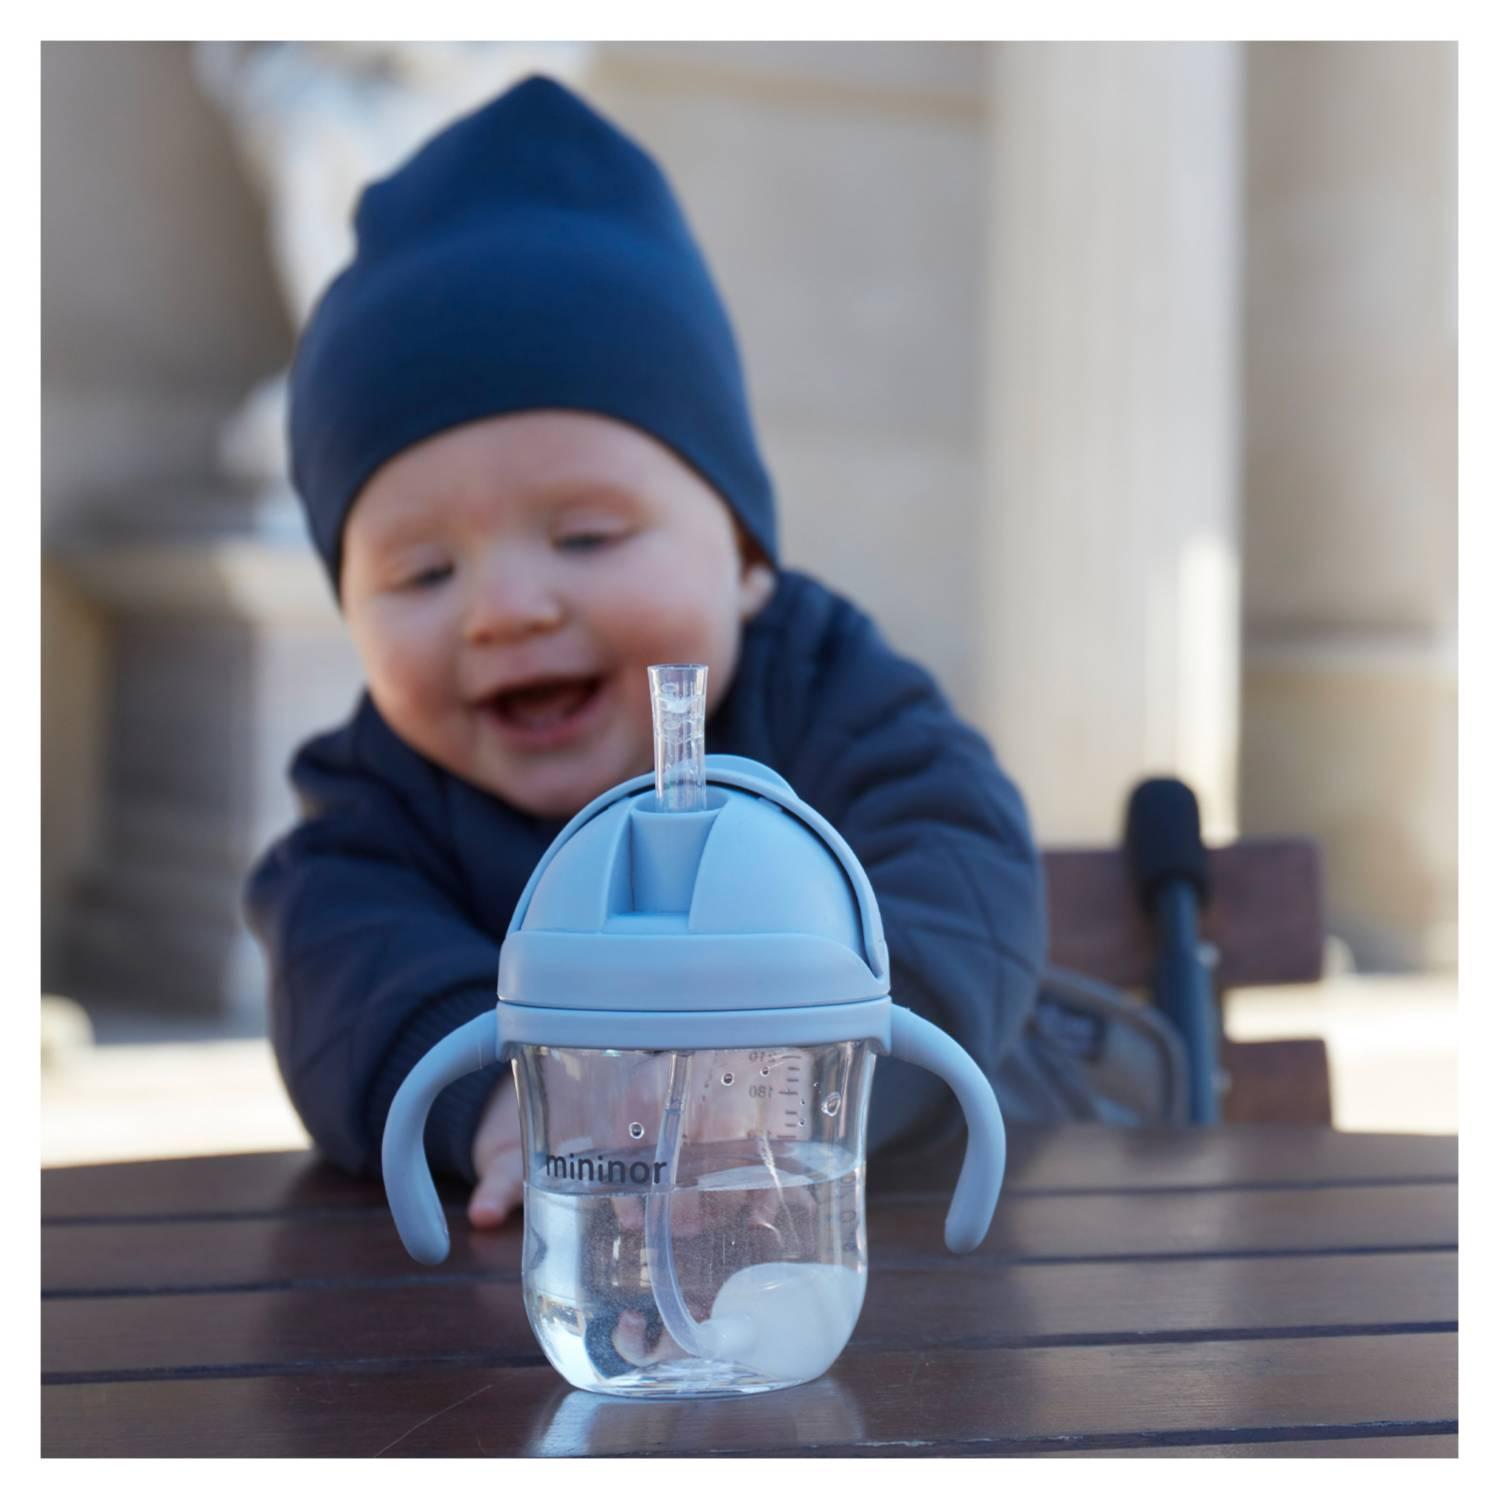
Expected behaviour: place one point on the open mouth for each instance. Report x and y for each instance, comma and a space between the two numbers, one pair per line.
545, 707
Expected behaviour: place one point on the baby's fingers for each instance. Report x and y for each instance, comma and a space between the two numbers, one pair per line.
497, 1192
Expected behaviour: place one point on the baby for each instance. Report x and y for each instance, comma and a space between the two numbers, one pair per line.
520, 431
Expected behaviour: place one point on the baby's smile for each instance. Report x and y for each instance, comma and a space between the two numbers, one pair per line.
547, 713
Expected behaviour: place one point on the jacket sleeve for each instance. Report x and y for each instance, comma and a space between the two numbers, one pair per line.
371, 960
944, 836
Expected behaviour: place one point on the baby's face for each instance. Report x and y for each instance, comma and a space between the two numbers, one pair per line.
508, 582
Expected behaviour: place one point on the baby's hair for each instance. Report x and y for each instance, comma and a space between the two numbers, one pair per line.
751, 551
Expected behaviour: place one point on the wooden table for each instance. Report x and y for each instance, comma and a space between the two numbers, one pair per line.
1250, 1290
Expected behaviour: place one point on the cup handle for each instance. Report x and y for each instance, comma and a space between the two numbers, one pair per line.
403, 1157
917, 1041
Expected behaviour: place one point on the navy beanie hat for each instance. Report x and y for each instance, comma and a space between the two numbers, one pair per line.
528, 256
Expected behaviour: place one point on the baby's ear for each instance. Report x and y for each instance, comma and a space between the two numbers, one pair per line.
757, 584
757, 576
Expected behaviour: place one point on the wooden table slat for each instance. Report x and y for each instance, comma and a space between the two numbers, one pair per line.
873, 1402
250, 1182
1074, 1158
1436, 1445
229, 1253
962, 1305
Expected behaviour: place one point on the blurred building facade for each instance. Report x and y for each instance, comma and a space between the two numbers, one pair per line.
1117, 381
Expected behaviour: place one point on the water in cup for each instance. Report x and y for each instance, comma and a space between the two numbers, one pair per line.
768, 1262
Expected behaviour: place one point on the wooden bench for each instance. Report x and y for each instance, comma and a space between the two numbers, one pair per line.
1265, 922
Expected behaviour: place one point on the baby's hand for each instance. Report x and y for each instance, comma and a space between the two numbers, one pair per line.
497, 1159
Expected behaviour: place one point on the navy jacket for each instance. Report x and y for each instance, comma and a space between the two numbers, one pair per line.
382, 912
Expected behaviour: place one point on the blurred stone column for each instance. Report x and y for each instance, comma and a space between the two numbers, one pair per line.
1111, 539
1351, 679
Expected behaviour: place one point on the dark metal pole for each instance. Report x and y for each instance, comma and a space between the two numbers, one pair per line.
1183, 989
1164, 848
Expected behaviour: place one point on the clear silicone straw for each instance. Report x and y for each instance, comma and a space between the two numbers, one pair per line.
679, 701
665, 1286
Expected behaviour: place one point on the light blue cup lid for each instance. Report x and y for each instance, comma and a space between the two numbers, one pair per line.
756, 903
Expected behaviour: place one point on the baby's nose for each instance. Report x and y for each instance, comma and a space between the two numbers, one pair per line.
507, 604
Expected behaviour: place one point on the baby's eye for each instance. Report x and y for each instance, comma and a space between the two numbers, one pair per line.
585, 541
429, 577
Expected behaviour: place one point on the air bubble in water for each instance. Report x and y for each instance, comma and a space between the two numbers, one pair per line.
637, 1130
727, 1079
832, 1102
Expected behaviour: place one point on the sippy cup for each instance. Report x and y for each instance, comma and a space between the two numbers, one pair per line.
693, 992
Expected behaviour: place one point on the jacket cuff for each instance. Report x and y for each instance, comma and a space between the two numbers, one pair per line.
454, 1119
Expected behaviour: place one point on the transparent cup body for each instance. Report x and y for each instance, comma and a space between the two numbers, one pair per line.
695, 1221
